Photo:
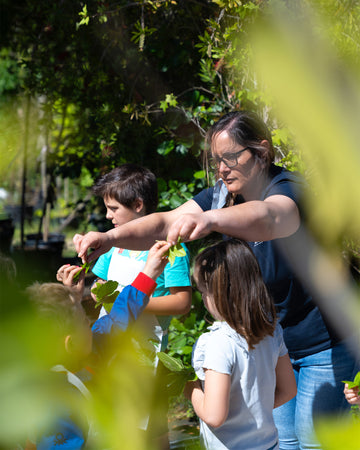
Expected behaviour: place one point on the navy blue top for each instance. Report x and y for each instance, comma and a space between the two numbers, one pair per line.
305, 329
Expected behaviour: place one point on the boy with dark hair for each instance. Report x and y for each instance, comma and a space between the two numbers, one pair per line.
129, 192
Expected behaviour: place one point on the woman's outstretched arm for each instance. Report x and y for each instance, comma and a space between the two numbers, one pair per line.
138, 234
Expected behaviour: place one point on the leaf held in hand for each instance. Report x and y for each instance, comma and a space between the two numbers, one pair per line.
105, 293
174, 251
355, 382
85, 267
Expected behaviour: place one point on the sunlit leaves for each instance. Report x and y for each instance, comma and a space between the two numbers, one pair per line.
176, 251
170, 100
84, 17
139, 34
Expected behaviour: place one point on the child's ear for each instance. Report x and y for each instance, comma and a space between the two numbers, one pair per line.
69, 345
138, 205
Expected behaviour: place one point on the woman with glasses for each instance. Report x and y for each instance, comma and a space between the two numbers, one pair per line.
258, 202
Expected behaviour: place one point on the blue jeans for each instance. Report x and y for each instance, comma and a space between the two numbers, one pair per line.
319, 391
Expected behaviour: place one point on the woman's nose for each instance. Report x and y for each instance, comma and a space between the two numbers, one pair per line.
223, 167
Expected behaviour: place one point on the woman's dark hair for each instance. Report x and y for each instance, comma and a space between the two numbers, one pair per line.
126, 184
229, 272
246, 129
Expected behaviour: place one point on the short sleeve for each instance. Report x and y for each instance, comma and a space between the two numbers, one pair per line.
101, 266
284, 182
213, 351
204, 198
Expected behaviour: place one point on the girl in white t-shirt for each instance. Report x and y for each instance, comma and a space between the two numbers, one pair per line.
242, 363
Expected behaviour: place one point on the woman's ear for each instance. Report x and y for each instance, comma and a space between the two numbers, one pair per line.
265, 143
264, 155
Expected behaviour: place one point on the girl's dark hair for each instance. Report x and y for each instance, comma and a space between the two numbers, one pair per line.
128, 183
247, 129
229, 272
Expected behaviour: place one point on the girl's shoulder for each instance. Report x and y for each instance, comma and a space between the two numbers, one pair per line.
220, 337
218, 349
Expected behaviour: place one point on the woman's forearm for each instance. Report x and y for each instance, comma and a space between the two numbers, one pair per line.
274, 218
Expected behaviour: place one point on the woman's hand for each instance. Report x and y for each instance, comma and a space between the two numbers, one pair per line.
156, 260
189, 227
66, 276
99, 242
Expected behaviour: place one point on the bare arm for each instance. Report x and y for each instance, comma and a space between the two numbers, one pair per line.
285, 388
275, 217
138, 234
212, 404
178, 302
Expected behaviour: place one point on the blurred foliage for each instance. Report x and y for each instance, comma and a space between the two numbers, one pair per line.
320, 104
302, 55
339, 433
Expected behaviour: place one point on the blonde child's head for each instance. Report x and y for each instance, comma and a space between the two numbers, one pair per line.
229, 278
56, 303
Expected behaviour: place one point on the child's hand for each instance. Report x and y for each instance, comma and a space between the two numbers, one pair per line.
156, 260
352, 395
66, 276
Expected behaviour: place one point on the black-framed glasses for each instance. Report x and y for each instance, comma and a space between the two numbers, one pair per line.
230, 159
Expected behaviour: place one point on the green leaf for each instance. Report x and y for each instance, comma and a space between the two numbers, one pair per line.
105, 294
178, 376
85, 267
175, 382
174, 251
171, 363
357, 379
354, 383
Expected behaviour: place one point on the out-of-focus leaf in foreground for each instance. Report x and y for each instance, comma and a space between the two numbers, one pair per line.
318, 97
336, 434
316, 92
